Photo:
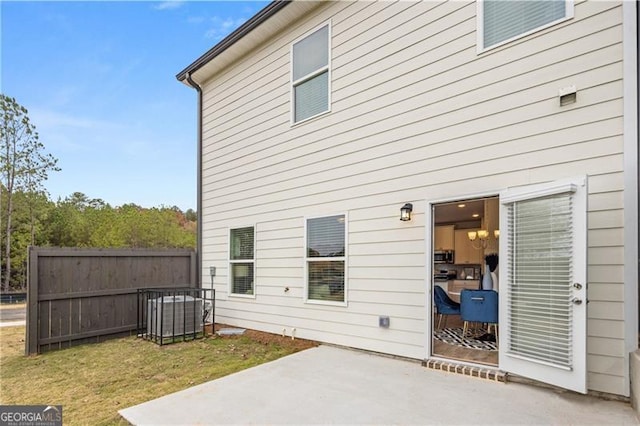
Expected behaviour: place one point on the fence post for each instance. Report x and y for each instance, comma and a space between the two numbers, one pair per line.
32, 338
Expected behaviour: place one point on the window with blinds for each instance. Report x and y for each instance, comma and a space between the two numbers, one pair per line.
242, 260
505, 20
540, 245
325, 258
310, 75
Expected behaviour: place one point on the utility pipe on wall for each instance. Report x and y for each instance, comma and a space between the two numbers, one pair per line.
196, 86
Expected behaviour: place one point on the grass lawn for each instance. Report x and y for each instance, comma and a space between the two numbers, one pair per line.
92, 382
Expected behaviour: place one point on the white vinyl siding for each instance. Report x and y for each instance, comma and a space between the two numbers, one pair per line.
501, 21
310, 74
416, 115
325, 259
242, 261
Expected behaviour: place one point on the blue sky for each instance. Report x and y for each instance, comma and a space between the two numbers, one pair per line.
98, 79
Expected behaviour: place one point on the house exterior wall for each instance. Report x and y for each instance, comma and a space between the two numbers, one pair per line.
416, 115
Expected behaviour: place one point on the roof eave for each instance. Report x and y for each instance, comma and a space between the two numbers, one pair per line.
255, 21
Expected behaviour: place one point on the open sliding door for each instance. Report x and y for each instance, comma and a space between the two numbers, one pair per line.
543, 271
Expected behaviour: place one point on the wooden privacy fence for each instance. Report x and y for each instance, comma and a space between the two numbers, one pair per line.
77, 296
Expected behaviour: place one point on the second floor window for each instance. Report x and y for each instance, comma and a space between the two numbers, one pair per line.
311, 75
505, 20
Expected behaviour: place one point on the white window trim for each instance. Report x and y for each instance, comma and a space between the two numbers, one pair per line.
430, 270
309, 76
345, 259
230, 262
569, 13
543, 190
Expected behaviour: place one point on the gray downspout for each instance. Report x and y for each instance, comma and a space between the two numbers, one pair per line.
199, 183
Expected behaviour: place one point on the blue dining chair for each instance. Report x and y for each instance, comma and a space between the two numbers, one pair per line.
444, 304
480, 306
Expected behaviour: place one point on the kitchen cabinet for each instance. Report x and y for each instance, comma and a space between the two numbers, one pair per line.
465, 252
444, 238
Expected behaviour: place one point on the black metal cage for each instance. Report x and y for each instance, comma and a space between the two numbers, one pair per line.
168, 315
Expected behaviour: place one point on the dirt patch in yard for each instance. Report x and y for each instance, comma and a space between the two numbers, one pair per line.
269, 338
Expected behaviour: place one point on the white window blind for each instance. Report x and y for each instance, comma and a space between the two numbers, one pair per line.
325, 253
311, 97
310, 75
540, 245
241, 260
507, 19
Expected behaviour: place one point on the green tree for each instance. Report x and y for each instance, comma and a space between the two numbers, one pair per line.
30, 221
191, 215
24, 166
74, 220
78, 221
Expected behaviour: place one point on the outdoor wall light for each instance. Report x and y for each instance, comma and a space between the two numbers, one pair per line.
405, 212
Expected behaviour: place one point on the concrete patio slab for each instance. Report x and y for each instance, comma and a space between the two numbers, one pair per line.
329, 385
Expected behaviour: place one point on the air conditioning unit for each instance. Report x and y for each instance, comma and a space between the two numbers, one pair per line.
172, 316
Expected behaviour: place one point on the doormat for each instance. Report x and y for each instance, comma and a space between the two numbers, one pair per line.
453, 336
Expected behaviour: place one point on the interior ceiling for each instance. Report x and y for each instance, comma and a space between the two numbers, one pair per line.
450, 212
